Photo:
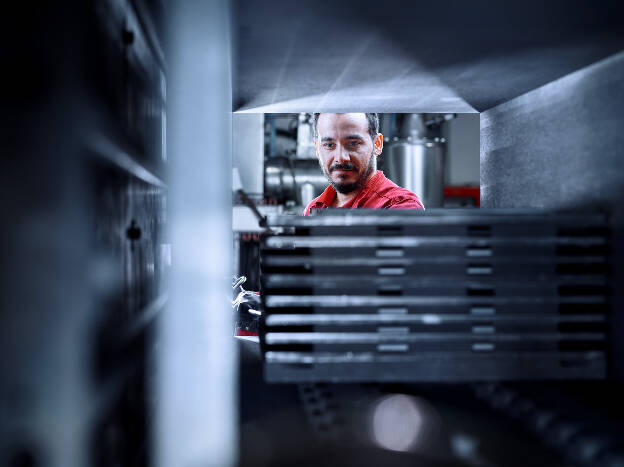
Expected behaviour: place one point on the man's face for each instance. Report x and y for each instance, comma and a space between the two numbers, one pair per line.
345, 150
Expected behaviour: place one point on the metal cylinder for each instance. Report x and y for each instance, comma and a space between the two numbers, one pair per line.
293, 179
418, 165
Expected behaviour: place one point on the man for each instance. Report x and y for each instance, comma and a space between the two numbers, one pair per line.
347, 147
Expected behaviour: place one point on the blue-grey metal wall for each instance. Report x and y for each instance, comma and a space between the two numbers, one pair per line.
560, 146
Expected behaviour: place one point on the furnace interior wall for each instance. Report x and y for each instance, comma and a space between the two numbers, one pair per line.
560, 147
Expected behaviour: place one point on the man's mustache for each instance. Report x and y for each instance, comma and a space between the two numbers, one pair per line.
345, 166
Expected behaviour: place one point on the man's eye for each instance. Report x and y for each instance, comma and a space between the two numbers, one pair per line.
353, 144
328, 145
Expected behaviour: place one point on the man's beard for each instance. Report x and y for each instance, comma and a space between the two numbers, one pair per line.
346, 188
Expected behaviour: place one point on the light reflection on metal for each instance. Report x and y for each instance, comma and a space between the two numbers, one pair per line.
196, 374
107, 149
400, 422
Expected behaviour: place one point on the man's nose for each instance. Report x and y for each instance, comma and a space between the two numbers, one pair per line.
342, 154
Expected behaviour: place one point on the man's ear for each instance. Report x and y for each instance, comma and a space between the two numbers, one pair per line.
318, 156
377, 144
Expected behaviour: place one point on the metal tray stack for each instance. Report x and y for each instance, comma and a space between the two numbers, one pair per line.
449, 295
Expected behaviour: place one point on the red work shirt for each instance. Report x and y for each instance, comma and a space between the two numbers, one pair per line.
378, 193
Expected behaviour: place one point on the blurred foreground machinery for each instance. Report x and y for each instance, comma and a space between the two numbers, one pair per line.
440, 296
87, 258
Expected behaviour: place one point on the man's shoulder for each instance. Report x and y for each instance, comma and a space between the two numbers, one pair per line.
398, 196
316, 203
322, 201
311, 204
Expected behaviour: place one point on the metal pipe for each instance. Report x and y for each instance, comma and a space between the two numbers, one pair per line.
287, 179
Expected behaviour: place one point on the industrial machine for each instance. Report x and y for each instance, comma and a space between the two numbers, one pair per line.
447, 295
472, 337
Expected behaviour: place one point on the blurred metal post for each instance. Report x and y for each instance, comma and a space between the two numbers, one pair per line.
196, 419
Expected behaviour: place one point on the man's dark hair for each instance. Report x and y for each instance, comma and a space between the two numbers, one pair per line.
373, 124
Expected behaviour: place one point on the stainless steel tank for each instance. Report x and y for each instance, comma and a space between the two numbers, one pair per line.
418, 165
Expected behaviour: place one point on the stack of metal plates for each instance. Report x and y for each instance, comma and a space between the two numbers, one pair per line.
449, 295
